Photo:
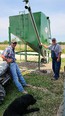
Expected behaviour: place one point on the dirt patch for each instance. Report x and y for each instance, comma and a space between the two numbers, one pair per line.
34, 66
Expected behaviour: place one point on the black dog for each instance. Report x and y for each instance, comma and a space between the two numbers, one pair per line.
19, 106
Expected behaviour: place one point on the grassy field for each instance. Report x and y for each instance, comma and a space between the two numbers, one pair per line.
48, 101
49, 96
18, 47
22, 47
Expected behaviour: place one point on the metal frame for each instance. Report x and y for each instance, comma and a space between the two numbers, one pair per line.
25, 53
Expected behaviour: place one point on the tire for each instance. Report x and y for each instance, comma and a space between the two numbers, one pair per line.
2, 94
44, 60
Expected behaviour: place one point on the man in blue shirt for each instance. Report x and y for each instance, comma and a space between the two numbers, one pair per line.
56, 57
9, 56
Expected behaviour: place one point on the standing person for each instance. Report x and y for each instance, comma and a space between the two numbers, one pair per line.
9, 56
56, 57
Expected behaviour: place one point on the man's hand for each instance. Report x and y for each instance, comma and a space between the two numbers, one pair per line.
40, 46
45, 46
58, 59
9, 60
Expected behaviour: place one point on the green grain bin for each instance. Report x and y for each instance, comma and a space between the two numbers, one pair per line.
22, 27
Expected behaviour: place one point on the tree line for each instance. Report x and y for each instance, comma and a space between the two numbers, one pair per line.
7, 42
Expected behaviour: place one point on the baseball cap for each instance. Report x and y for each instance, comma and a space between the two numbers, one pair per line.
13, 41
53, 39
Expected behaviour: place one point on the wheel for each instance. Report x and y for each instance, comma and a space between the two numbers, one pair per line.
2, 94
44, 60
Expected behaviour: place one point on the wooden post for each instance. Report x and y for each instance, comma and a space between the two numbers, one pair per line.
64, 69
25, 52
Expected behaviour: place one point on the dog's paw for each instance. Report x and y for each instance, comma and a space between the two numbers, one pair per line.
37, 109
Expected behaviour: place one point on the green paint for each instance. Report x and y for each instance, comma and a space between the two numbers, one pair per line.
22, 27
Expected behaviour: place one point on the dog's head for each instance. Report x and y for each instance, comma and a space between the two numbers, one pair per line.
29, 99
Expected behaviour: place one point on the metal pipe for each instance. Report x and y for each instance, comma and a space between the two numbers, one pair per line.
32, 19
34, 25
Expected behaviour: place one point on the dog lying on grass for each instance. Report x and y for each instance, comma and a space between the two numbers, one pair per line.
19, 106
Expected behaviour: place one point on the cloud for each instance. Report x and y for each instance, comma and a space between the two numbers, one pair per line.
58, 24
4, 24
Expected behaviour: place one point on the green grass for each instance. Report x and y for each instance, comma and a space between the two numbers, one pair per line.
63, 51
48, 102
62, 64
18, 47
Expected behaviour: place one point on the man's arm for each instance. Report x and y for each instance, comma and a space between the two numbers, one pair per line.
8, 60
60, 51
59, 56
45, 46
3, 57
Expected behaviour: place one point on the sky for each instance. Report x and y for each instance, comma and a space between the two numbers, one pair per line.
55, 9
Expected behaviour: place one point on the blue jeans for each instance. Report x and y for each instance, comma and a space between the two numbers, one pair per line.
56, 68
17, 76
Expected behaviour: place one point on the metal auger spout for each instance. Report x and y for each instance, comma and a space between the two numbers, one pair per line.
34, 24
26, 1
